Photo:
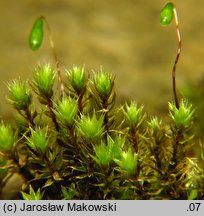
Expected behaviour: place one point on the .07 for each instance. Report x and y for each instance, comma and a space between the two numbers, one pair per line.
193, 206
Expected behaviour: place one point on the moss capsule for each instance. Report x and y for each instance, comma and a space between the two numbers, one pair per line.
166, 14
36, 35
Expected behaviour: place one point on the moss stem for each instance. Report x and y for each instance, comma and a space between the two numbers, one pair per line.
50, 107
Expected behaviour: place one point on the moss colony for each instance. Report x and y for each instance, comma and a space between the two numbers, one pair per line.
80, 146
74, 143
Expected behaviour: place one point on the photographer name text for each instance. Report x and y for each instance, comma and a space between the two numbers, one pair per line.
50, 207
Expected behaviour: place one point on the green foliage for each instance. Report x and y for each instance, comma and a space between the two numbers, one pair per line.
103, 154
76, 144
77, 78
69, 194
91, 128
103, 83
38, 140
95, 150
7, 137
133, 114
66, 110
128, 162
19, 94
182, 117
32, 195
43, 82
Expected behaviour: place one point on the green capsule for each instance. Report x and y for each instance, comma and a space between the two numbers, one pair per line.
36, 35
166, 14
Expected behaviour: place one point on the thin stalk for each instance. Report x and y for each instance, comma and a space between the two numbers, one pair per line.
176, 147
80, 102
54, 56
134, 138
50, 107
106, 117
29, 117
177, 58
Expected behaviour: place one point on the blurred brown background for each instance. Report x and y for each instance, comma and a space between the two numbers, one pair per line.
124, 36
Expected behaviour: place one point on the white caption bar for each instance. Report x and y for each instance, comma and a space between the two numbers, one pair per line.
96, 207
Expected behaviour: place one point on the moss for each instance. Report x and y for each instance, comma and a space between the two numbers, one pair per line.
76, 144
136, 157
